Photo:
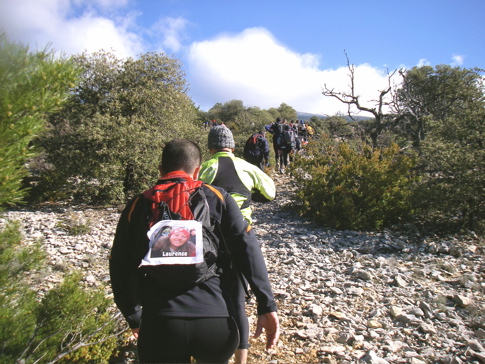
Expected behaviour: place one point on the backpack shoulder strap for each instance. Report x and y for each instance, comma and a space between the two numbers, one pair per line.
132, 208
216, 191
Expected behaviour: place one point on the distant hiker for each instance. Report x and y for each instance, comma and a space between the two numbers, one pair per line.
277, 129
246, 183
256, 150
310, 131
305, 131
178, 322
288, 145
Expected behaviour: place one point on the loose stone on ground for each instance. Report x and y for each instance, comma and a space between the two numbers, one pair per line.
343, 296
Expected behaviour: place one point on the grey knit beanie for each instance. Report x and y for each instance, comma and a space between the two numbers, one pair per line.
220, 137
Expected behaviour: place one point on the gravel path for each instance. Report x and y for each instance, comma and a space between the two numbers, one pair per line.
343, 296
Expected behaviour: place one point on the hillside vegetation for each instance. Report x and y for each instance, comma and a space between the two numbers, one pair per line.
90, 129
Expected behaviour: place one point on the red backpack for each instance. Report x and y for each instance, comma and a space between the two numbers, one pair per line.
179, 206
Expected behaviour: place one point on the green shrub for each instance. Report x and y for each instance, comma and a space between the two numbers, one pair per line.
74, 223
70, 323
17, 301
105, 143
453, 164
70, 319
355, 187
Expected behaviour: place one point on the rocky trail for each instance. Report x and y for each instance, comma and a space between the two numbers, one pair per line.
343, 296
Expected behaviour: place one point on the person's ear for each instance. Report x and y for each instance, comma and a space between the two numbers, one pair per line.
195, 176
160, 169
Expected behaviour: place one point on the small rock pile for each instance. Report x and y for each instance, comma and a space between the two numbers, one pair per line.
343, 296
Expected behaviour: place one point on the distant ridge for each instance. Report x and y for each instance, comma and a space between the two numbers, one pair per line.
306, 116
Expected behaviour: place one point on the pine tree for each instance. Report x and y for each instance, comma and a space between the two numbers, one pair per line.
32, 84
70, 323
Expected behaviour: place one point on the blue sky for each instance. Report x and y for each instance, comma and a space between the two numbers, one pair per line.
263, 52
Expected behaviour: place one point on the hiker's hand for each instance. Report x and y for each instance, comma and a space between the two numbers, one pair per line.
135, 332
270, 323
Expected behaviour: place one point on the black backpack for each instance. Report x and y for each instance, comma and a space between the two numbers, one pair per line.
252, 148
180, 269
289, 138
278, 128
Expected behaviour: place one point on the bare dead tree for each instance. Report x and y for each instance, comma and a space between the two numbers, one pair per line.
352, 99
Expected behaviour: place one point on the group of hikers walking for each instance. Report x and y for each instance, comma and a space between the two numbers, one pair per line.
288, 138
185, 252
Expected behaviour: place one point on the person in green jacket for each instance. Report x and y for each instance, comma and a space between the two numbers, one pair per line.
245, 182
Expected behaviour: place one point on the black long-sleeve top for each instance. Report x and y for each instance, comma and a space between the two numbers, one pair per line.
133, 290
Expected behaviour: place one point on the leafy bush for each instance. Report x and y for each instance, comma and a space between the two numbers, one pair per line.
69, 323
105, 144
74, 324
348, 187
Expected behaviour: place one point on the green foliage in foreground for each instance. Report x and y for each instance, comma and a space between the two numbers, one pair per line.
31, 85
354, 188
68, 324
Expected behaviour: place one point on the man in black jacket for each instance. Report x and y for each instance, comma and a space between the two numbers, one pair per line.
177, 324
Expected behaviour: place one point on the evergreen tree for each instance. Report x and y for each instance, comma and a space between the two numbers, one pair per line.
69, 323
243, 121
428, 93
31, 85
453, 160
105, 144
287, 112
443, 111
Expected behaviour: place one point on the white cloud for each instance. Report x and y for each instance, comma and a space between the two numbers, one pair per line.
103, 4
70, 27
172, 33
423, 62
91, 33
458, 60
253, 67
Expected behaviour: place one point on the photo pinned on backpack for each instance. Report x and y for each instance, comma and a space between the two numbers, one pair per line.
175, 242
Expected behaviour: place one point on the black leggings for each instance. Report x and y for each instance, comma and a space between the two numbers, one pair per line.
281, 155
175, 340
238, 294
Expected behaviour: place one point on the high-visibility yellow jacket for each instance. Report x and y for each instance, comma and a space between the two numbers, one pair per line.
243, 180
